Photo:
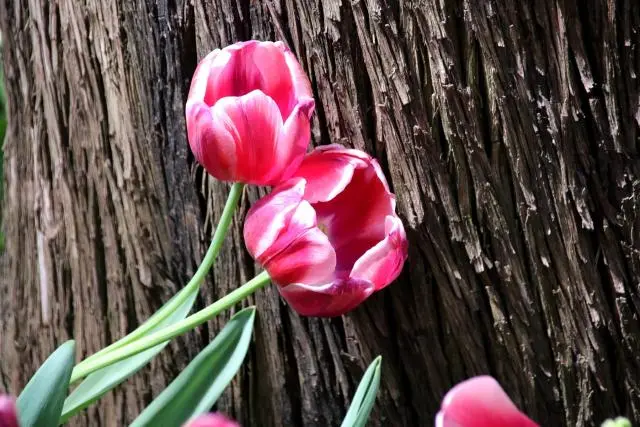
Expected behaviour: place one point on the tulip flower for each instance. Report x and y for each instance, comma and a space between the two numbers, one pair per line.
212, 420
330, 236
480, 402
248, 113
8, 412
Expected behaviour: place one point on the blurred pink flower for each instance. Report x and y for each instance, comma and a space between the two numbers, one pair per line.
8, 411
248, 113
212, 420
480, 402
330, 236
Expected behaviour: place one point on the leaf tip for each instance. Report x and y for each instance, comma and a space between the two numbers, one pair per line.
247, 311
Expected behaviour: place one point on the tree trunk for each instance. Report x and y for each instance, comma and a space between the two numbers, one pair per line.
510, 132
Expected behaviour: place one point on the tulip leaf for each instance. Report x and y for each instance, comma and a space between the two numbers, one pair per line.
199, 385
107, 378
40, 403
617, 422
365, 396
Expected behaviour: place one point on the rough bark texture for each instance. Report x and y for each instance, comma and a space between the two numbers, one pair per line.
511, 135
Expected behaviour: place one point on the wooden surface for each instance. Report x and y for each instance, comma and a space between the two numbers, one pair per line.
510, 134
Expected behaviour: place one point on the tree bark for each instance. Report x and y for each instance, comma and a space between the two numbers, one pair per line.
510, 132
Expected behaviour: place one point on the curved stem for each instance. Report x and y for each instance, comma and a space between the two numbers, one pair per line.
194, 283
91, 365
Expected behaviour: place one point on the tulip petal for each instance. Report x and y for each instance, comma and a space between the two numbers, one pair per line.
292, 143
309, 259
383, 263
269, 216
352, 154
222, 77
298, 222
480, 402
213, 142
200, 80
212, 420
254, 122
329, 300
8, 411
327, 175
275, 79
378, 170
231, 72
356, 215
301, 85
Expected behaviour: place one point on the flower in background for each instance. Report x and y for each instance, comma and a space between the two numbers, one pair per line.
480, 402
330, 236
212, 420
8, 412
248, 113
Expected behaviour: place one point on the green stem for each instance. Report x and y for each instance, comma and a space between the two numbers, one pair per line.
194, 283
88, 366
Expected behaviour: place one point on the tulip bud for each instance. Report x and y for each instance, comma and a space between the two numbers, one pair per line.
480, 402
330, 236
248, 113
8, 412
212, 420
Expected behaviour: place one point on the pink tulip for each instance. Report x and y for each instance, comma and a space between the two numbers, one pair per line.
248, 113
480, 402
8, 412
212, 420
330, 236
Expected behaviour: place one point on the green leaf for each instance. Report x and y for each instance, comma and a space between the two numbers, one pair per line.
102, 381
152, 323
197, 388
40, 403
618, 422
365, 396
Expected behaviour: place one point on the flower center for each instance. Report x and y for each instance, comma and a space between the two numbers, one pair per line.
324, 228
